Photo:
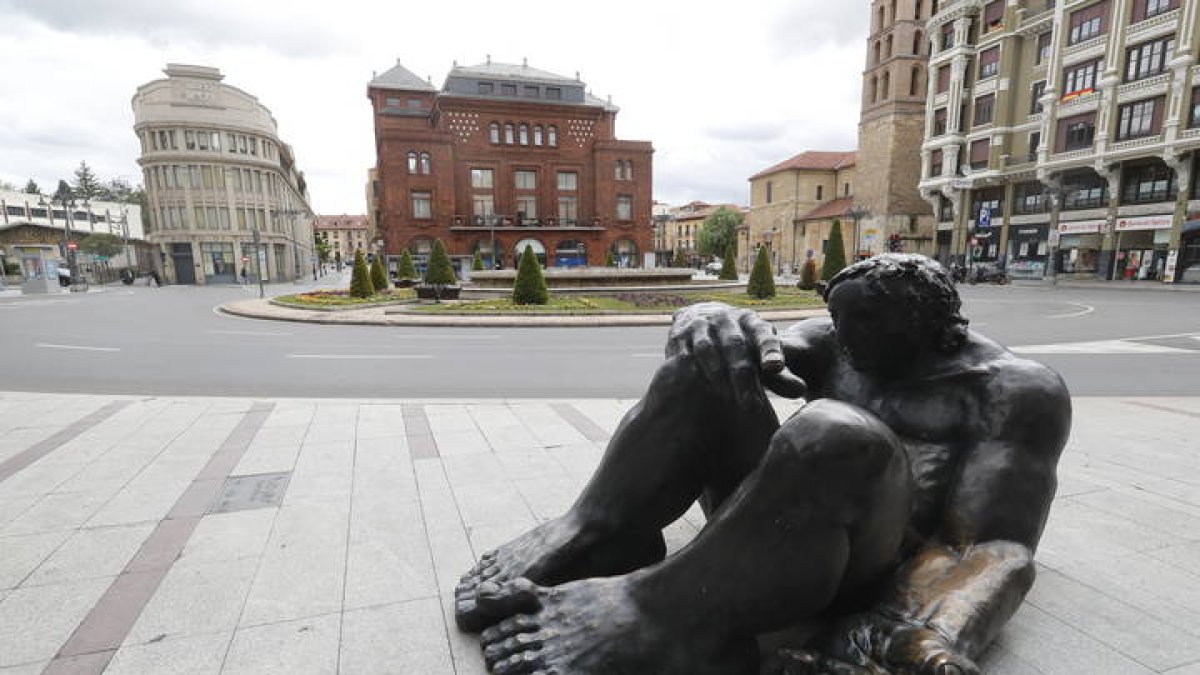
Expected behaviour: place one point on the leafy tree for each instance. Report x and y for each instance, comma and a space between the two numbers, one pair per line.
808, 275
378, 275
530, 286
835, 252
87, 186
321, 244
360, 278
5, 185
102, 243
610, 260
762, 281
718, 232
407, 269
679, 259
729, 265
477, 262
439, 271
31, 188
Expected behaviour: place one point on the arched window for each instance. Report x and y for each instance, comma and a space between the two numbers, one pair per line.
537, 135
552, 136
879, 20
887, 52
874, 89
887, 85
508, 133
412, 161
917, 39
877, 52
914, 86
625, 251
523, 134
494, 132
426, 163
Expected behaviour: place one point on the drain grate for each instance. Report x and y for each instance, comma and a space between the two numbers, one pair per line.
258, 491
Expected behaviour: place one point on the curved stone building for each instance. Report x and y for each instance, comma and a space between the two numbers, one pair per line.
222, 189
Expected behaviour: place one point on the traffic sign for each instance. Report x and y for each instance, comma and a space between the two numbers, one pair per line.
72, 245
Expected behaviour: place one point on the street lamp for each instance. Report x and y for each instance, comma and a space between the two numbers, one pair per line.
769, 236
857, 212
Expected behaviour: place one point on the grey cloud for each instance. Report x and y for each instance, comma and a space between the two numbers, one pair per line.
746, 133
186, 21
805, 27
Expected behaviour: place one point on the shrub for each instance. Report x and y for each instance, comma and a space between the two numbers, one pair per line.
808, 275
378, 275
530, 286
439, 271
762, 281
477, 262
610, 260
407, 269
835, 253
729, 265
360, 278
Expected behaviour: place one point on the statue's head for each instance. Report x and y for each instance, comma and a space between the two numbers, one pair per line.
892, 308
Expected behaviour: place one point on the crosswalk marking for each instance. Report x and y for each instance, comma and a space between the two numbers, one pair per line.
1101, 347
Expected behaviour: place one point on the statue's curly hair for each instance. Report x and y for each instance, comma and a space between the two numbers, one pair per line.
930, 294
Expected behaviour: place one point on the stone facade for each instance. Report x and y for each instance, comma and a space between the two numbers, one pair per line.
503, 156
345, 234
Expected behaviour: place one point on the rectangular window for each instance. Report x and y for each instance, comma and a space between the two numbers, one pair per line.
1043, 49
979, 152
531, 91
527, 206
1148, 183
1035, 142
989, 63
1036, 92
624, 207
508, 90
202, 140
194, 175
568, 180
947, 36
1076, 133
189, 139
935, 163
1030, 198
1148, 59
422, 204
820, 192
1195, 118
525, 180
1080, 79
993, 14
984, 109
486, 87
1088, 23
1136, 120
231, 141
483, 206
939, 121
482, 178
1144, 9
206, 177
943, 79
554, 93
568, 210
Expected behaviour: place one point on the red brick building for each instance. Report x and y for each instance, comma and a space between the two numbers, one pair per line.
503, 156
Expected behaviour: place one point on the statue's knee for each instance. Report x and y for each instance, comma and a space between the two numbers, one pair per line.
831, 432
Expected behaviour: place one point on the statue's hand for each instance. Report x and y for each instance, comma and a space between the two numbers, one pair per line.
875, 643
735, 349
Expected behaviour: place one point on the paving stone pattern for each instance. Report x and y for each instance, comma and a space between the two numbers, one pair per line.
114, 559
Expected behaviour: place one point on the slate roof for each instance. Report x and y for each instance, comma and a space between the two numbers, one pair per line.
399, 77
511, 71
812, 160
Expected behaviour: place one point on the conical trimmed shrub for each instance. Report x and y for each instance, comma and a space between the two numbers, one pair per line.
439, 271
610, 260
378, 274
835, 253
407, 269
762, 281
530, 286
729, 265
360, 278
808, 275
477, 262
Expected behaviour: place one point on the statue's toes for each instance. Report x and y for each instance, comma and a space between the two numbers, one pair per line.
524, 662
521, 642
519, 596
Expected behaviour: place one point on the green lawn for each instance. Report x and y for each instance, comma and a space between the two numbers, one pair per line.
336, 299
627, 303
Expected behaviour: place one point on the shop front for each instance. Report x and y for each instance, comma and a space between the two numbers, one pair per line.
984, 245
1028, 251
1142, 247
1187, 268
1079, 247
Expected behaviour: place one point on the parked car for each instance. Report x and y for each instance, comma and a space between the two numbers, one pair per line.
714, 267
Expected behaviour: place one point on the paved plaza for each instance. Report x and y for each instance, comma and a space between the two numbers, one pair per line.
143, 535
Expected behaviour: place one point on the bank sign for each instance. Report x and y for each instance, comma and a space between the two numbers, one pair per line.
1145, 223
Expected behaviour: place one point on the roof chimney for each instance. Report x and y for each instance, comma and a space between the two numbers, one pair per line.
489, 59
524, 62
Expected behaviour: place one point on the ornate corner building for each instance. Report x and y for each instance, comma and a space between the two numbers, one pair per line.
1064, 137
223, 191
501, 157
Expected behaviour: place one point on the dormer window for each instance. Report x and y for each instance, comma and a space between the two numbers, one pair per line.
486, 88
554, 93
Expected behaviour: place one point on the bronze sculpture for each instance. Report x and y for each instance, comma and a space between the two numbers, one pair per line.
887, 527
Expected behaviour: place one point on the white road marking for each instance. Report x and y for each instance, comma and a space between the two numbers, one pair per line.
1101, 347
1087, 309
358, 357
46, 345
247, 332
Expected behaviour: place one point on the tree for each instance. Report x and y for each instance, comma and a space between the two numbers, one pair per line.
102, 243
321, 244
610, 260
530, 286
729, 265
477, 262
87, 186
378, 275
808, 275
679, 259
762, 281
5, 185
835, 252
718, 232
439, 271
31, 188
360, 278
407, 270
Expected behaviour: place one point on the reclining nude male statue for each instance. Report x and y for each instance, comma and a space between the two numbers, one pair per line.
888, 526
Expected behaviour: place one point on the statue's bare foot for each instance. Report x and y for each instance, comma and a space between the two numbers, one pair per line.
554, 552
596, 627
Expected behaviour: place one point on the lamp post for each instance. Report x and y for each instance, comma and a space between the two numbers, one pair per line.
769, 236
857, 212
259, 255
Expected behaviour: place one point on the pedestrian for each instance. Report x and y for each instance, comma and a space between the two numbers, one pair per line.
243, 276
157, 280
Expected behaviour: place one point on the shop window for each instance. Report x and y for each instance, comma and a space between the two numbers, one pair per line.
1084, 190
1030, 198
1148, 59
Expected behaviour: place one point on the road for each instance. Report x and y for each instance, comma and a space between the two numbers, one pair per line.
171, 341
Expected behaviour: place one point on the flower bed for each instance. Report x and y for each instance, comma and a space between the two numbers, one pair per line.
343, 299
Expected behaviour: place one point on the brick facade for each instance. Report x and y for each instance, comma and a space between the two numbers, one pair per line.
430, 142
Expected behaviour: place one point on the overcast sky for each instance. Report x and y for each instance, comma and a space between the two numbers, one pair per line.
722, 89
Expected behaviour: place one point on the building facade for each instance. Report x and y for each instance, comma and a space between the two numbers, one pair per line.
891, 130
345, 235
782, 197
682, 230
504, 156
223, 190
1063, 137
34, 230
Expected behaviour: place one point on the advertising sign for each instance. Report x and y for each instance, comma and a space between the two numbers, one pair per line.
1081, 226
1169, 271
1145, 223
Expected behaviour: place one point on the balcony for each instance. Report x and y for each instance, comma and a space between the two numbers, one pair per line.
1136, 143
1152, 27
1090, 48
462, 223
1144, 88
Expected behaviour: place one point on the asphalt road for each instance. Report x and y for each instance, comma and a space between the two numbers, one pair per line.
171, 341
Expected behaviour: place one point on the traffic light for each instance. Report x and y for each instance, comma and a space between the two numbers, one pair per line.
894, 243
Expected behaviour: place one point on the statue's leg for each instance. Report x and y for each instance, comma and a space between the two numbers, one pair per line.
824, 512
683, 439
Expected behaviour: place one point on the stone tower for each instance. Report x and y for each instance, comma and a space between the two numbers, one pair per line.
891, 129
